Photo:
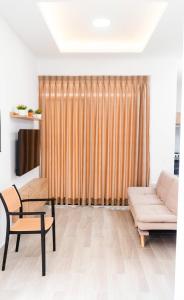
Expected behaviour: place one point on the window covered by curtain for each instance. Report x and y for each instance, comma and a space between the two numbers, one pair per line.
94, 137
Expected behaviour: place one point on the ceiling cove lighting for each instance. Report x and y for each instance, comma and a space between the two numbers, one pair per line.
101, 23
131, 24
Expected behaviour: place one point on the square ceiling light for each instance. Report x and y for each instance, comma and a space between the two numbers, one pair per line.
130, 24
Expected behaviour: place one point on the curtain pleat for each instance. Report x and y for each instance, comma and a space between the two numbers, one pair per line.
94, 137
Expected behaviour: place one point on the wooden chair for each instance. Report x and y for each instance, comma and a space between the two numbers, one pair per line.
41, 224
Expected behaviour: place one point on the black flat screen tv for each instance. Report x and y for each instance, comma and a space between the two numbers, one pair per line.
27, 150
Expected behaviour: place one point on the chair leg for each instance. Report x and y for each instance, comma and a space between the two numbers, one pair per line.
43, 253
17, 243
54, 237
5, 251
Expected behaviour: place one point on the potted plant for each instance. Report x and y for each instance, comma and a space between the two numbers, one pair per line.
21, 109
30, 112
38, 113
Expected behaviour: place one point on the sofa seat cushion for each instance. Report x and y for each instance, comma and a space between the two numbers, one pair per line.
154, 214
144, 200
157, 226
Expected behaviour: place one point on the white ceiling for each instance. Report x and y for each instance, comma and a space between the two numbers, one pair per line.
131, 24
25, 17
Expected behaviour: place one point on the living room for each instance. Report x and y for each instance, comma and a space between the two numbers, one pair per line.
84, 164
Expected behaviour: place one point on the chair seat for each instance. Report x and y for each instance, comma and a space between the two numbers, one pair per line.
31, 224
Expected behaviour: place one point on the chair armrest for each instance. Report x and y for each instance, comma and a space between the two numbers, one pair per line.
28, 213
52, 200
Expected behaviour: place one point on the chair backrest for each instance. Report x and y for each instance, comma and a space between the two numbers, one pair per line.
11, 199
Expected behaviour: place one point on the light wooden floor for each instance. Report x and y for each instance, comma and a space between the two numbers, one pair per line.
98, 258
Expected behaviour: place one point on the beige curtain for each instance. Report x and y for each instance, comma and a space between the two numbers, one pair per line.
94, 137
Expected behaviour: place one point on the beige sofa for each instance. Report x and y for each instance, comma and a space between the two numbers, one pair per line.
155, 208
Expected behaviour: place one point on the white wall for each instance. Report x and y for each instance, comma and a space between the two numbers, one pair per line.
179, 291
179, 92
163, 73
18, 84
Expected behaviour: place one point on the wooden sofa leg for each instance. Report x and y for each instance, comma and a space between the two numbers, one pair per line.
143, 235
142, 240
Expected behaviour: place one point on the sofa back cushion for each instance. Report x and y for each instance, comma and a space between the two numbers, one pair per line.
167, 190
172, 196
164, 182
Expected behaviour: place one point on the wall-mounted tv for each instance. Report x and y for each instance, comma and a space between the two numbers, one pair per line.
27, 150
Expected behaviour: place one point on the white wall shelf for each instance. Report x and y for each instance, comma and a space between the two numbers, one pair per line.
17, 116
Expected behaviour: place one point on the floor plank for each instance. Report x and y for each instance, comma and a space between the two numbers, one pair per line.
98, 258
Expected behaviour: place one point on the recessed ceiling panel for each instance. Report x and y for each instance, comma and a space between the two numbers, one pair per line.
130, 24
